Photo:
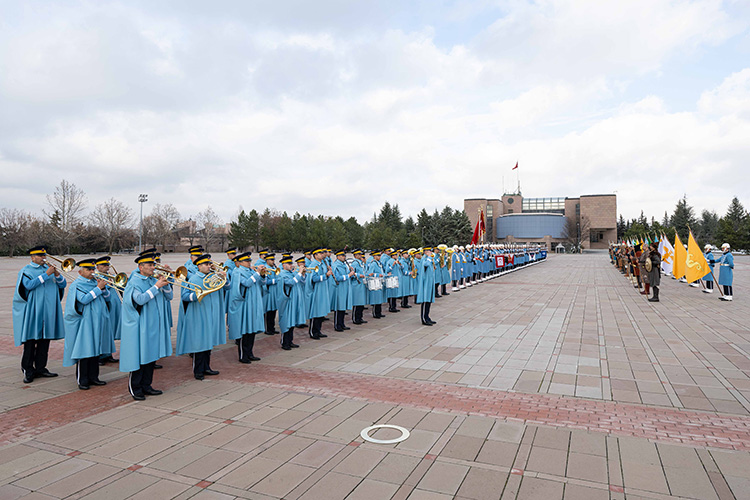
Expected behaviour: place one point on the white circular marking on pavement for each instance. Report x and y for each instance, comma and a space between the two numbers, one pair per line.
366, 434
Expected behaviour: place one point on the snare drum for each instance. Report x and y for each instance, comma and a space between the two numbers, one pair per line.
374, 284
391, 282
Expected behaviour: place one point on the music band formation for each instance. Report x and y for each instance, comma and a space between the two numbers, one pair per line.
234, 301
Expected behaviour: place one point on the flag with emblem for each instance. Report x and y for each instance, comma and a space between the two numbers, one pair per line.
680, 257
667, 254
696, 265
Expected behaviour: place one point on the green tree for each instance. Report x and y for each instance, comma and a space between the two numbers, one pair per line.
300, 226
285, 233
707, 228
390, 215
683, 218
355, 233
733, 227
336, 234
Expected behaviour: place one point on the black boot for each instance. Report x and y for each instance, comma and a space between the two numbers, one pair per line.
443, 290
655, 298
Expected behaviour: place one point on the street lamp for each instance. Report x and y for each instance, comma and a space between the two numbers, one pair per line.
142, 198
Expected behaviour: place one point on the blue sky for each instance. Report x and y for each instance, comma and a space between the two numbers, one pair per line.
334, 107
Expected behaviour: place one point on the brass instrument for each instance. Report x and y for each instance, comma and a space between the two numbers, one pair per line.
66, 265
117, 281
212, 282
413, 268
311, 269
218, 266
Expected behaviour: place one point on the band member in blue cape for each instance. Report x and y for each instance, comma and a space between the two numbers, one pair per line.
202, 327
316, 290
292, 302
87, 333
426, 286
145, 327
342, 290
271, 294
393, 268
455, 271
410, 275
708, 280
445, 276
329, 282
726, 273
405, 281
245, 317
359, 287
230, 265
376, 297
195, 252
114, 305
37, 314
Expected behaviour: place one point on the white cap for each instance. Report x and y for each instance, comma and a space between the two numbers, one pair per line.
724, 245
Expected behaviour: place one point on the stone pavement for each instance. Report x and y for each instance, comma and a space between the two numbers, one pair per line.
558, 381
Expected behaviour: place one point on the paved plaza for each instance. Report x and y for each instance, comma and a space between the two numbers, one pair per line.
556, 381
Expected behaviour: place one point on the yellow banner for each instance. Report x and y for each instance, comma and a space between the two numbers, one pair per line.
696, 264
680, 257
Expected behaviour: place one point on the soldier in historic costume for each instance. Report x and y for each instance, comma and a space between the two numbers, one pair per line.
654, 275
271, 293
393, 268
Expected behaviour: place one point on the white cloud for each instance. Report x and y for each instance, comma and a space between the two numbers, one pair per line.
198, 108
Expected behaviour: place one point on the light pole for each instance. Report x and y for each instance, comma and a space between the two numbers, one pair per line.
142, 198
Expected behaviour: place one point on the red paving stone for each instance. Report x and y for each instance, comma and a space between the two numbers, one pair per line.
662, 424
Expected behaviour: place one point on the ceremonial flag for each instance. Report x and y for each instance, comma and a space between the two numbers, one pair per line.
696, 264
515, 166
667, 254
479, 230
680, 257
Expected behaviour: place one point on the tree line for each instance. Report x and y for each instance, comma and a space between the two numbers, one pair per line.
66, 226
708, 228
278, 230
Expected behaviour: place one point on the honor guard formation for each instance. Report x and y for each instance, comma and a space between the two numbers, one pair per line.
234, 300
643, 262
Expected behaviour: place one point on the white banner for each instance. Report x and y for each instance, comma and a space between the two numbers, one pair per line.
667, 254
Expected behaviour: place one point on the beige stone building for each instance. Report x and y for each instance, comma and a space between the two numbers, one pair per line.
514, 218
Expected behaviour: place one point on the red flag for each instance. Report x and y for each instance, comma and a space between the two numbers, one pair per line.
515, 166
475, 238
482, 228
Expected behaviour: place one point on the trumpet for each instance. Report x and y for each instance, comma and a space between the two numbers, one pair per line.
117, 281
310, 270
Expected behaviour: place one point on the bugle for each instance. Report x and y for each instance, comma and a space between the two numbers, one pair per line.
66, 265
212, 282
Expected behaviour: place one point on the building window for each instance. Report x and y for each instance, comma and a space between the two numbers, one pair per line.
548, 205
489, 211
510, 211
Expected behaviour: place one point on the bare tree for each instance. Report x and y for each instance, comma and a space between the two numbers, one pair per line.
163, 224
114, 219
208, 224
66, 206
15, 230
576, 231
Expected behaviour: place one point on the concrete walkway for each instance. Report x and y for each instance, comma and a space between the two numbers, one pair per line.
558, 381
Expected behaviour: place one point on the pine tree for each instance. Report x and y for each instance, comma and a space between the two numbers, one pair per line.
733, 227
683, 218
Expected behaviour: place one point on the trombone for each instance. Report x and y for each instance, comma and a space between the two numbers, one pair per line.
66, 266
117, 281
212, 282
